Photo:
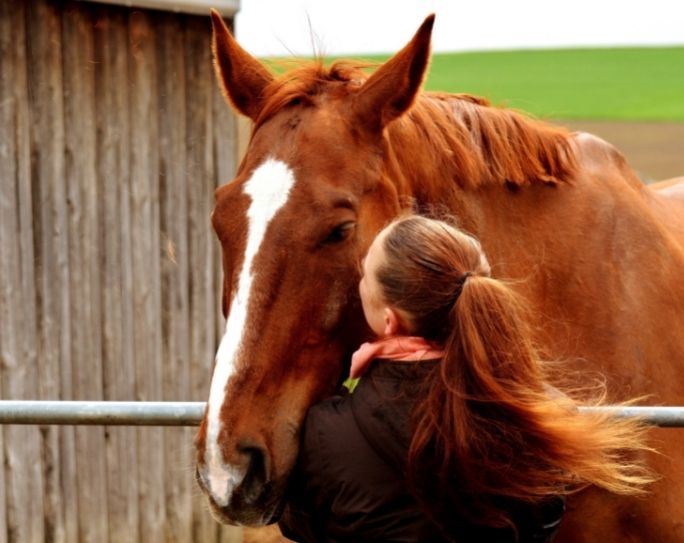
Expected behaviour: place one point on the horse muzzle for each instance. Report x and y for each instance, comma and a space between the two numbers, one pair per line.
242, 493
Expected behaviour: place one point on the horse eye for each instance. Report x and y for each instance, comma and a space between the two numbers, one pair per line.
340, 233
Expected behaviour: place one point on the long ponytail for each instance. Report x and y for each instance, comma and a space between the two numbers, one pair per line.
493, 429
490, 430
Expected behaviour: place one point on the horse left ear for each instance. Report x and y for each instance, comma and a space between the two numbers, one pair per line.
243, 78
391, 90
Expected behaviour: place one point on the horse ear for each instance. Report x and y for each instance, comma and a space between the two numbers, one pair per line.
391, 90
243, 78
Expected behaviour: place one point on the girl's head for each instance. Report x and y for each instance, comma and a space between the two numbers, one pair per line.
413, 273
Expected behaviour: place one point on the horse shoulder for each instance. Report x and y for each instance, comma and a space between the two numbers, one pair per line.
655, 208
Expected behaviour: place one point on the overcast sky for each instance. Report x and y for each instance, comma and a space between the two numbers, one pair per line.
281, 27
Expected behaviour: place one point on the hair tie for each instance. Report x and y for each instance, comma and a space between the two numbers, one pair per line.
461, 283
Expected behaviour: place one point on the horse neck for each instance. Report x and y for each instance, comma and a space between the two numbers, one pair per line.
495, 170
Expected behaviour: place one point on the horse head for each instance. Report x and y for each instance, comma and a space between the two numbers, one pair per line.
314, 187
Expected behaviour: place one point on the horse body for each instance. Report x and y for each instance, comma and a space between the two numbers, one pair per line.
333, 157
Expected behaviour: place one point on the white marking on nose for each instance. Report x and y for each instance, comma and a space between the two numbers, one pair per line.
269, 188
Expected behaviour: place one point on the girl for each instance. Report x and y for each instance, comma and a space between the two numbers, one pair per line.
453, 434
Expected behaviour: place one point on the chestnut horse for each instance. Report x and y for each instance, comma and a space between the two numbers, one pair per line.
333, 156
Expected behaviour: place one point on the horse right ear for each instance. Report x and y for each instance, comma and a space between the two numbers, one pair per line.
243, 78
392, 89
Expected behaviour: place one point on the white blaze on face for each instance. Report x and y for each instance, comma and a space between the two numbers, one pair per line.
268, 188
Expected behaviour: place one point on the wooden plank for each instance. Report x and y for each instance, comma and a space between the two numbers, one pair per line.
84, 232
52, 256
113, 146
144, 186
175, 320
21, 448
199, 79
201, 180
8, 221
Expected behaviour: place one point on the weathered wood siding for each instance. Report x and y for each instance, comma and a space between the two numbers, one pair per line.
113, 137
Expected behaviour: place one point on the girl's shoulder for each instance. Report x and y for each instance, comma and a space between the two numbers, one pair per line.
329, 429
327, 420
337, 461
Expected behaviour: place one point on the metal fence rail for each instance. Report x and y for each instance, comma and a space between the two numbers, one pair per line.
665, 416
190, 413
109, 413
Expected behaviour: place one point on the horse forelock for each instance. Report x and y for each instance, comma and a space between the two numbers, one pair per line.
304, 83
268, 189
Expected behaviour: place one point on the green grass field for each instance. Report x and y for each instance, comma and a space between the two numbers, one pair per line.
620, 84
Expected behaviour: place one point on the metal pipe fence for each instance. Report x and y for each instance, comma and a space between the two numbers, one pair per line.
97, 413
191, 413
662, 416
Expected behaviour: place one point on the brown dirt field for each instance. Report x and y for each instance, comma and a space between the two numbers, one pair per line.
655, 150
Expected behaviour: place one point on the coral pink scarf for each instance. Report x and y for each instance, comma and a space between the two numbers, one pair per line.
402, 348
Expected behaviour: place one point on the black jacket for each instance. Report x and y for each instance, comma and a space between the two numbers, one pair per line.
349, 483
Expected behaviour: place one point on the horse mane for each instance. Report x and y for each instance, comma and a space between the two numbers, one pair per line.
479, 143
492, 145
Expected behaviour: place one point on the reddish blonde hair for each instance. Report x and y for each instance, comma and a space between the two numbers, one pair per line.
490, 430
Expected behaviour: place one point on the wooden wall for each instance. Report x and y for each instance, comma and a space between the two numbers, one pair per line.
113, 136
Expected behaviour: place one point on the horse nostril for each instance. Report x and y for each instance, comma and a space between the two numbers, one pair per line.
255, 478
